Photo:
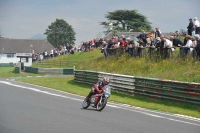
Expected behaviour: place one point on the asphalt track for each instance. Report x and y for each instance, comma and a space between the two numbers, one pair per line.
26, 108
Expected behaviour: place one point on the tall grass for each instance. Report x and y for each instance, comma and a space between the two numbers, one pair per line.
172, 69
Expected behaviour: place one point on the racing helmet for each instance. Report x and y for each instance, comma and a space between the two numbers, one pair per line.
106, 81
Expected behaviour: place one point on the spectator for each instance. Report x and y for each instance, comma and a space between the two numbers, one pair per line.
45, 54
141, 43
122, 43
71, 51
109, 47
148, 42
168, 49
141, 46
162, 41
197, 47
167, 43
40, 57
34, 57
94, 41
186, 48
196, 25
104, 49
136, 44
135, 48
185, 40
143, 36
65, 49
55, 53
176, 34
158, 42
110, 44
152, 42
117, 42
51, 52
100, 42
158, 46
176, 42
157, 32
151, 34
129, 46
190, 27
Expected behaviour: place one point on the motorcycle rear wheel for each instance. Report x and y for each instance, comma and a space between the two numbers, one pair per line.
86, 104
101, 106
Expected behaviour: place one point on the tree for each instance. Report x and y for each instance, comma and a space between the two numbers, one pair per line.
60, 33
126, 21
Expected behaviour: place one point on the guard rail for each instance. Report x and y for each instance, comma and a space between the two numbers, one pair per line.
152, 88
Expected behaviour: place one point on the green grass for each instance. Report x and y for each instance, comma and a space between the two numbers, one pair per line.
6, 72
172, 69
67, 84
74, 58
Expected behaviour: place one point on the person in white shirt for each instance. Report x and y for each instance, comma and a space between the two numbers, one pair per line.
45, 54
51, 53
188, 45
196, 25
41, 57
167, 43
168, 46
65, 50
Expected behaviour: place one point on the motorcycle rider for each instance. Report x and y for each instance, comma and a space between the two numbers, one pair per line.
98, 87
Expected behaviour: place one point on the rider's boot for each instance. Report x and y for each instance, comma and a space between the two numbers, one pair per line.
89, 95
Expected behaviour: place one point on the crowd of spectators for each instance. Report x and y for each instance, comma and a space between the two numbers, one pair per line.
54, 52
88, 45
155, 42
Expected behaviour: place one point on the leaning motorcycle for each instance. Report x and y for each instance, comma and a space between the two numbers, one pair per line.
98, 101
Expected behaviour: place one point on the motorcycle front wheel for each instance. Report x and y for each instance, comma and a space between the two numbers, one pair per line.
86, 104
101, 105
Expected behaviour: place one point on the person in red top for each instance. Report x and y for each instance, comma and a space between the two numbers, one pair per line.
97, 88
94, 40
122, 42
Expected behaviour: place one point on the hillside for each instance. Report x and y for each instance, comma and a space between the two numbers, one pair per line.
172, 69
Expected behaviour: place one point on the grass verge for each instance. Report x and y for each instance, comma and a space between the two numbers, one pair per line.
175, 68
6, 72
67, 84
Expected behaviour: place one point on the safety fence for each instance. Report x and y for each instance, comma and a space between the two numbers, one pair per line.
150, 52
59, 71
154, 89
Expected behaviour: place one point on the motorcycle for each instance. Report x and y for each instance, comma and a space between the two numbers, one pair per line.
98, 101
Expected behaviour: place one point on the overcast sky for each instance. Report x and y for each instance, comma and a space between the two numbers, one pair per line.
25, 18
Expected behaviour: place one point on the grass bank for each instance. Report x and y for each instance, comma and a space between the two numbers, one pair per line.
63, 61
172, 69
67, 84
